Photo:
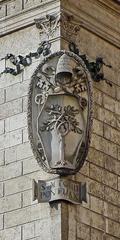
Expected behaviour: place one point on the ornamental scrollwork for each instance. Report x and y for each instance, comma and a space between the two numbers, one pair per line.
95, 67
20, 62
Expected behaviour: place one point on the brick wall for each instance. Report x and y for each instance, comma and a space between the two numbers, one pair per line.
99, 219
20, 218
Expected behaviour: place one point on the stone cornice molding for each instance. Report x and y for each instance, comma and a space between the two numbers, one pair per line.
111, 6
96, 26
26, 17
82, 18
99, 28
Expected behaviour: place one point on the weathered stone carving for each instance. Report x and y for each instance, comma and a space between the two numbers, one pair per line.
60, 113
59, 189
69, 27
58, 24
48, 25
20, 62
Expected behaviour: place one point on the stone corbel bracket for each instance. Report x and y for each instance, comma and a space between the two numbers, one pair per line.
58, 25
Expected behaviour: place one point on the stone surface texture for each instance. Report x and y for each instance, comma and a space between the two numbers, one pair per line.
20, 217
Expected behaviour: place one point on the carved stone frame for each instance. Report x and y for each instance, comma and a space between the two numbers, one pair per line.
89, 116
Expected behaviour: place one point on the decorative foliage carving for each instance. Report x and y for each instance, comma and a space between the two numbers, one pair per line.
48, 25
65, 23
69, 27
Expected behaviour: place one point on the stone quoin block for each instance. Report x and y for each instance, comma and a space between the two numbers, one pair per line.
95, 233
104, 115
104, 145
28, 230
97, 205
1, 221
25, 215
84, 215
9, 203
118, 93
96, 189
15, 122
11, 233
10, 139
18, 152
98, 127
7, 80
30, 3
25, 103
2, 10
20, 184
27, 198
96, 173
1, 189
111, 104
106, 88
2, 127
97, 221
110, 179
112, 196
2, 96
112, 165
25, 135
10, 108
112, 134
111, 211
30, 165
97, 96
10, 171
14, 7
113, 228
83, 231
2, 157
96, 157
19, 89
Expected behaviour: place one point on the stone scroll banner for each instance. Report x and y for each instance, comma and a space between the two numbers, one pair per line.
59, 189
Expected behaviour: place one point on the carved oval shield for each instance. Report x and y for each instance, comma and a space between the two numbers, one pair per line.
60, 113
